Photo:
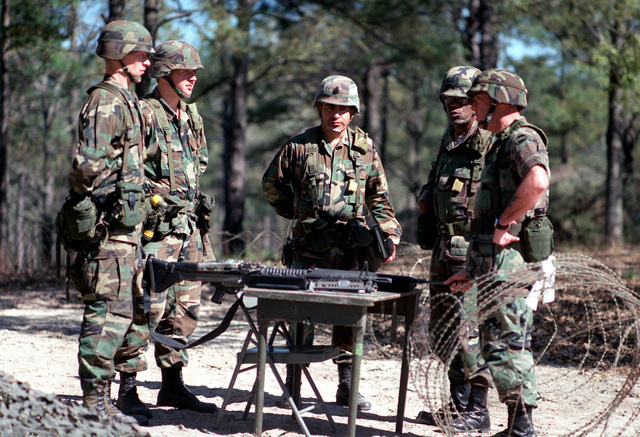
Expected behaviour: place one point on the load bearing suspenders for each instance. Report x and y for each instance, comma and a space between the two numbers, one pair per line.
311, 170
128, 119
163, 121
161, 115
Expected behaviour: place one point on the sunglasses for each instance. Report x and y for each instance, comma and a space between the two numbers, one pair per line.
459, 101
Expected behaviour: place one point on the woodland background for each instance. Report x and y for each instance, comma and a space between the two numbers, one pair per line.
264, 60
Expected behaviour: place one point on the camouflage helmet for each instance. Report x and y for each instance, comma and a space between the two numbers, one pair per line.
174, 55
338, 90
119, 38
502, 86
458, 81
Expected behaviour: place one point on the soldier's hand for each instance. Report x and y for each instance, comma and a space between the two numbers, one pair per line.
459, 282
391, 248
503, 237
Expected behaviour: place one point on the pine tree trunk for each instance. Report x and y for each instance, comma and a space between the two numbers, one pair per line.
615, 157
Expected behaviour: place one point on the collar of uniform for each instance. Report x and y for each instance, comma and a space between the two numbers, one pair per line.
452, 142
507, 131
326, 147
113, 81
171, 114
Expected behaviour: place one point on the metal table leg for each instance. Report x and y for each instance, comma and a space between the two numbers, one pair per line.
358, 345
263, 326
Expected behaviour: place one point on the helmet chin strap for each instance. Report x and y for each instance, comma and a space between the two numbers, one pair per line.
125, 68
466, 121
485, 123
175, 88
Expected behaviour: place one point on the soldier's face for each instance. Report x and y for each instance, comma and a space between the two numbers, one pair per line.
184, 80
482, 104
459, 110
335, 118
137, 63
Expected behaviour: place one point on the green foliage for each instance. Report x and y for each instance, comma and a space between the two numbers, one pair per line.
291, 46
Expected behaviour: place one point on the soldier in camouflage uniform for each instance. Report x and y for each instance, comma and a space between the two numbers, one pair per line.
446, 209
513, 192
108, 169
328, 180
173, 231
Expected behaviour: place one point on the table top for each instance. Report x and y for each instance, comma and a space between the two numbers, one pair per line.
330, 297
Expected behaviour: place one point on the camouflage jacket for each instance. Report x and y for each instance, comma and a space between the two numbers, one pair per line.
346, 180
106, 123
455, 174
515, 150
184, 136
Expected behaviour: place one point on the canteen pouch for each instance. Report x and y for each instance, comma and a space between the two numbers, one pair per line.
132, 198
81, 218
537, 237
76, 222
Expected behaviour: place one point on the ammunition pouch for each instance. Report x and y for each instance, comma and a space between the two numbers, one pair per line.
358, 235
165, 216
175, 206
133, 209
537, 238
203, 210
319, 235
461, 228
455, 248
76, 222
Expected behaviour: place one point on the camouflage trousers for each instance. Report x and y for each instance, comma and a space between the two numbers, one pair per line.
342, 336
453, 330
174, 311
505, 333
113, 320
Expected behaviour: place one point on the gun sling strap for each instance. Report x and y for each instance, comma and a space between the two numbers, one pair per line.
173, 343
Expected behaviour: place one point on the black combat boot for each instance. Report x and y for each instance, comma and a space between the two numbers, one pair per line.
520, 422
173, 393
457, 404
344, 389
476, 416
99, 400
128, 400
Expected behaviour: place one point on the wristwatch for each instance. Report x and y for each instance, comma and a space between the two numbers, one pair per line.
502, 227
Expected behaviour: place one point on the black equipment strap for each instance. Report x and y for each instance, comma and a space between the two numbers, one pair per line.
173, 343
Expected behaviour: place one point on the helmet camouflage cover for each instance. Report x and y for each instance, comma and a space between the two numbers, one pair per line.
458, 81
502, 86
338, 90
174, 55
119, 38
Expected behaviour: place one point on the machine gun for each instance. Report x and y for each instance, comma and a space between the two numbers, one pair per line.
233, 275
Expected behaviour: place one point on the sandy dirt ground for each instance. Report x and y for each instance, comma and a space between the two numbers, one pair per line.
38, 343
